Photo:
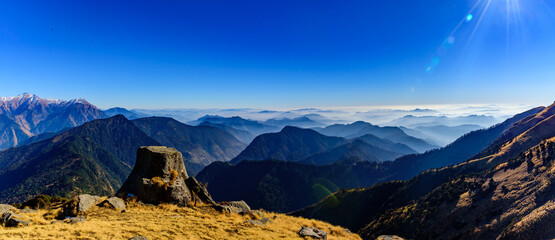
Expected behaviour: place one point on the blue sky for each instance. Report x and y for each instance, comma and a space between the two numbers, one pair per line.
279, 54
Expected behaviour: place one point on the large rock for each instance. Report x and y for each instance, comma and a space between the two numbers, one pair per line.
313, 233
13, 220
115, 203
158, 176
239, 207
6, 208
79, 204
85, 201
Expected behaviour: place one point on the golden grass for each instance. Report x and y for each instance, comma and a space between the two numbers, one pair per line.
167, 221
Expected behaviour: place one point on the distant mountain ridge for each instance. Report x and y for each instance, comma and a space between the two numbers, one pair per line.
360, 128
27, 115
290, 144
236, 125
129, 114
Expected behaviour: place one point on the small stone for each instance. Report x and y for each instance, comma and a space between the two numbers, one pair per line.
139, 238
77, 219
389, 237
259, 222
313, 233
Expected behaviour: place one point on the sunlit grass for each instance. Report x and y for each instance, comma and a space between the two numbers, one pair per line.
167, 221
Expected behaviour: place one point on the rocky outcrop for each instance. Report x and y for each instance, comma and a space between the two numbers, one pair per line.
313, 233
160, 176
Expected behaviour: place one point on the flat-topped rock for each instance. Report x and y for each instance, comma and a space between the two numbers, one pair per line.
158, 176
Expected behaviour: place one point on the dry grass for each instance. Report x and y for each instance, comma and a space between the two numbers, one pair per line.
167, 222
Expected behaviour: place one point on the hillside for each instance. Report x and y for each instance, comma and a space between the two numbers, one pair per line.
95, 157
200, 145
386, 144
290, 144
27, 115
512, 201
167, 221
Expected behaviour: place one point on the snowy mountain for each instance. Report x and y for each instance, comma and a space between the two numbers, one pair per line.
27, 115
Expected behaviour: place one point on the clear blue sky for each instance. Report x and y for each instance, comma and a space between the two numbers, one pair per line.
278, 54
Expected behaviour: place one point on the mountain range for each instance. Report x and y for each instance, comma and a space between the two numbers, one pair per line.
245, 129
95, 157
505, 191
27, 115
98, 155
403, 168
360, 128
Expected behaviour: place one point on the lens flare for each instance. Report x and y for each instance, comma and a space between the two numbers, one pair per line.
469, 17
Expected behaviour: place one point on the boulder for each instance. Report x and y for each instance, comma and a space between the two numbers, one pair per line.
389, 237
313, 233
13, 220
199, 191
114, 202
6, 208
239, 207
79, 204
158, 176
85, 201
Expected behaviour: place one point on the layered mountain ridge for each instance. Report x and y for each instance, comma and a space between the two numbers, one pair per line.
505, 192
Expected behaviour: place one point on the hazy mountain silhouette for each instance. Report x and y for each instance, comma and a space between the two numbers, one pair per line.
394, 134
129, 114
290, 144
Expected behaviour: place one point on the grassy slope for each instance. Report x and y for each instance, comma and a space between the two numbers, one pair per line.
168, 222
